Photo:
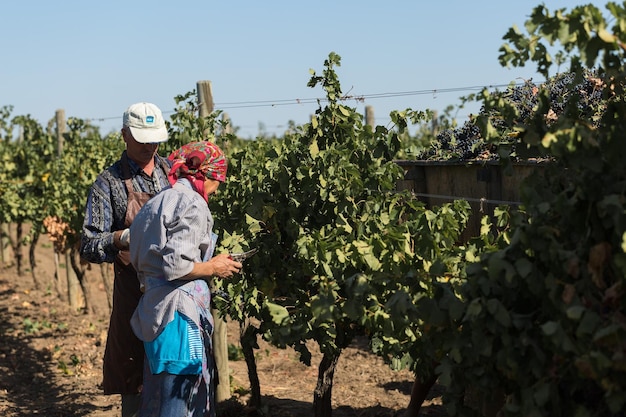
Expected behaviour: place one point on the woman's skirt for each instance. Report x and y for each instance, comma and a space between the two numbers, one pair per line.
166, 395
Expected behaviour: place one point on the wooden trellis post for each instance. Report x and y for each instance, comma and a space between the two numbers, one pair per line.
220, 340
74, 291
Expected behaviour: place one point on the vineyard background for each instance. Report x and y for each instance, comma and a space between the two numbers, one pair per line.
51, 360
527, 316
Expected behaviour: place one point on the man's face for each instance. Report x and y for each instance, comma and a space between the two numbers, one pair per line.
141, 153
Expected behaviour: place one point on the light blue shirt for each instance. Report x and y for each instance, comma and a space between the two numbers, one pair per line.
171, 232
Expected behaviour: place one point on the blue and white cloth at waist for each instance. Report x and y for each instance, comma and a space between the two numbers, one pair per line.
159, 304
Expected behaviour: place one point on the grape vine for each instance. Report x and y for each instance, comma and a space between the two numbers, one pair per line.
528, 316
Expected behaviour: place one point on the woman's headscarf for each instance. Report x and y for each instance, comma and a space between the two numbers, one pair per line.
196, 162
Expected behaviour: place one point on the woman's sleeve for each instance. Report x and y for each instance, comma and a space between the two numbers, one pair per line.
184, 235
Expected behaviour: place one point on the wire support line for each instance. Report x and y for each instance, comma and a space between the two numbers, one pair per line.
346, 97
481, 200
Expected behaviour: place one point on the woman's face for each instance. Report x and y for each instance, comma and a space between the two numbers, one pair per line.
210, 187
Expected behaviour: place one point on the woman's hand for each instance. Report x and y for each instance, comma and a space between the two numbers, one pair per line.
223, 266
220, 266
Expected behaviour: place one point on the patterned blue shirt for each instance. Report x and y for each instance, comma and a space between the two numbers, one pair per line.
105, 211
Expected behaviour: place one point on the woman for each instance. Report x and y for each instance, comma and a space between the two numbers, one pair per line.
172, 249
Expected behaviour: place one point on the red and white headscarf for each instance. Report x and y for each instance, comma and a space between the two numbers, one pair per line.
196, 162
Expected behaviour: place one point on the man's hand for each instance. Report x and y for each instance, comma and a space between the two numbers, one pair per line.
121, 239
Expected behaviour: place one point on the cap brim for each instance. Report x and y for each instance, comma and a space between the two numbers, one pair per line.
152, 135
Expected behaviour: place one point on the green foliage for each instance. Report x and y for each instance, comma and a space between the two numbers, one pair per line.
41, 178
532, 308
31, 326
186, 126
341, 251
85, 154
25, 163
543, 319
235, 353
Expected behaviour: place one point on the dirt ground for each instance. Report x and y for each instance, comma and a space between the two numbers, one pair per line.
51, 358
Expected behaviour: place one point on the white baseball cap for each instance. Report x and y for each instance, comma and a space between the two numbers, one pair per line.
146, 123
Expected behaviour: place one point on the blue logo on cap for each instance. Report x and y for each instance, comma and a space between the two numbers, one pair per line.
150, 119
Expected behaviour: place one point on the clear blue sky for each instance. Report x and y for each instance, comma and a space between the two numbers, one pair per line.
93, 59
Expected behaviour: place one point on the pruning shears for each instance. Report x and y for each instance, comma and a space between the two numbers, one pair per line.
240, 257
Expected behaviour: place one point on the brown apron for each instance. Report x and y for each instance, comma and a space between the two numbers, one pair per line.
124, 352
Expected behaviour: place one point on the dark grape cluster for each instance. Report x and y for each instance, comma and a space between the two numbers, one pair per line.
579, 97
460, 143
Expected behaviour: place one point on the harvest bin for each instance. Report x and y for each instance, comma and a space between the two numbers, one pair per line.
484, 184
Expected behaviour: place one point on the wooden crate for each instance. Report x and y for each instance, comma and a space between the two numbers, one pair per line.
484, 184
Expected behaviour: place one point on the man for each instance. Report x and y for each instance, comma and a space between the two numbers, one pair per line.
115, 197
